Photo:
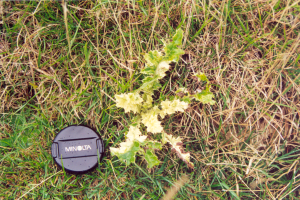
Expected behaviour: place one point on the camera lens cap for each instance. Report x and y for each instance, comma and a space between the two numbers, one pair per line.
77, 148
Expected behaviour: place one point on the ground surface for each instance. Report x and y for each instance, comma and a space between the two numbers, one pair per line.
62, 65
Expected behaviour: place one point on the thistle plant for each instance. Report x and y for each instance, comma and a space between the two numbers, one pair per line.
147, 110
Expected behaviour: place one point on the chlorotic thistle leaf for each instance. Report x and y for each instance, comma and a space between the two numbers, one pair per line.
201, 76
150, 120
164, 137
155, 110
128, 149
162, 68
150, 84
147, 101
182, 90
170, 107
129, 101
177, 38
205, 96
186, 99
172, 52
153, 58
134, 133
135, 121
154, 145
151, 158
149, 70
177, 145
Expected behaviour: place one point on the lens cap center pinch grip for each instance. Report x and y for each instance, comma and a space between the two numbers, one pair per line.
77, 149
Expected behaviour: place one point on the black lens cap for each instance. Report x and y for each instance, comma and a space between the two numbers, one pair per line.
77, 148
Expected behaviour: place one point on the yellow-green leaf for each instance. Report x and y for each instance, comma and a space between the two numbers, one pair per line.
177, 38
151, 159
153, 58
154, 145
201, 77
205, 96
129, 155
172, 53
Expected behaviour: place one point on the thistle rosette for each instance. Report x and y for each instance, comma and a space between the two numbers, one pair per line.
148, 110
